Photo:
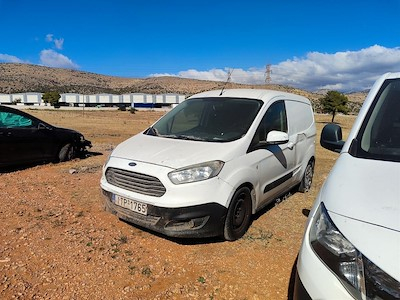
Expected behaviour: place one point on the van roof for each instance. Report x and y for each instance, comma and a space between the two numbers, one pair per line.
391, 75
261, 94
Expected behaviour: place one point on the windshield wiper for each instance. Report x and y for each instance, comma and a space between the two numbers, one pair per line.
183, 137
190, 137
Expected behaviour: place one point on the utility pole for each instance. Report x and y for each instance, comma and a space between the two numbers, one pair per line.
268, 74
229, 75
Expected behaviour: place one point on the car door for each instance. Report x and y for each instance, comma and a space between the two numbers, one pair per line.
273, 163
22, 139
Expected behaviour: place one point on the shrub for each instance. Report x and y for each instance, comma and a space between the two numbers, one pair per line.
51, 97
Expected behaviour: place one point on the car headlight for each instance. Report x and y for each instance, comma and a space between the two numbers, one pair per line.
196, 172
361, 277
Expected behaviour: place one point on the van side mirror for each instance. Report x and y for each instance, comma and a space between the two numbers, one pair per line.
331, 137
275, 137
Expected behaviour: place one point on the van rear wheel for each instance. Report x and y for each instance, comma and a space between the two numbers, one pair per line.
306, 182
239, 215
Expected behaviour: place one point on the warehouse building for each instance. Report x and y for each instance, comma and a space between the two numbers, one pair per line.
97, 100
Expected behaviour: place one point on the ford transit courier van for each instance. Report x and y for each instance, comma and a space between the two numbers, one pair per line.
210, 163
351, 245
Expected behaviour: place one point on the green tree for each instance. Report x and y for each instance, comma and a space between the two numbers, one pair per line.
51, 97
334, 102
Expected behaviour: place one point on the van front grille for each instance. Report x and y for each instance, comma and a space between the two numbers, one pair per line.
135, 182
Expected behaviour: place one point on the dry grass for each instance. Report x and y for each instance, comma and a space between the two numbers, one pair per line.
101, 127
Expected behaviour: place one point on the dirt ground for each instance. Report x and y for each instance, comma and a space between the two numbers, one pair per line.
56, 242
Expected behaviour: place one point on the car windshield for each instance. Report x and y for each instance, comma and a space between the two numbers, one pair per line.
379, 137
208, 119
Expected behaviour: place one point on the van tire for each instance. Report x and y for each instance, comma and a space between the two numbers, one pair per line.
66, 153
306, 181
238, 218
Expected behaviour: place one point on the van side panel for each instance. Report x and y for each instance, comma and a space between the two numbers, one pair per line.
303, 131
300, 116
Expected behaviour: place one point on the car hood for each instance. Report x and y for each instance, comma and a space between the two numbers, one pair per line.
66, 130
76, 135
365, 190
174, 153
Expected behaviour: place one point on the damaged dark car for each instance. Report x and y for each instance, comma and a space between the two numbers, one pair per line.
27, 140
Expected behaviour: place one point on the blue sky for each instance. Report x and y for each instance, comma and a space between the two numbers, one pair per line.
311, 44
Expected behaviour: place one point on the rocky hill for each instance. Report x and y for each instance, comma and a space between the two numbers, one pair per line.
15, 78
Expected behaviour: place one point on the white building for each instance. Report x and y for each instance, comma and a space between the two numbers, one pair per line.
24, 98
72, 99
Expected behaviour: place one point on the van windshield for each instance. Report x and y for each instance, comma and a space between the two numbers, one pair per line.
379, 137
208, 119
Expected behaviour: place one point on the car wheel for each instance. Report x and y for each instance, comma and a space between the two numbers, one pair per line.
66, 153
239, 215
306, 182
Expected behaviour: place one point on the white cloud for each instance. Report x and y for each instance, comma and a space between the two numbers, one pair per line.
343, 71
51, 58
49, 37
58, 43
10, 59
346, 71
251, 76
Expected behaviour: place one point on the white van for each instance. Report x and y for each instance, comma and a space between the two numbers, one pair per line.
351, 245
210, 163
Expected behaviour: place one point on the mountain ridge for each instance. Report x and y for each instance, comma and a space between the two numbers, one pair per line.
17, 78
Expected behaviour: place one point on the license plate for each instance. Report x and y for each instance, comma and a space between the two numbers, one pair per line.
130, 204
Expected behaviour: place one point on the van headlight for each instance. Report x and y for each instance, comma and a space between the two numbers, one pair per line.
361, 277
197, 172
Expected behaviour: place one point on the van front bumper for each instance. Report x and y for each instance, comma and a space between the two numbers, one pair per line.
204, 220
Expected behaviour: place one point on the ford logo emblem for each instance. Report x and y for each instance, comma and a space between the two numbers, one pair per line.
132, 164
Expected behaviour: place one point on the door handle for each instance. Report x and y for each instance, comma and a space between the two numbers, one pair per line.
290, 145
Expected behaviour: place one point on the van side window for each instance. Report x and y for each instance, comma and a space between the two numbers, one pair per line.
274, 119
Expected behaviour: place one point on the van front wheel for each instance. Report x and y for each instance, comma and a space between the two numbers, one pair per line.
239, 215
66, 153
